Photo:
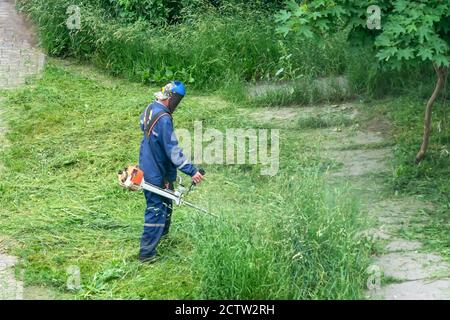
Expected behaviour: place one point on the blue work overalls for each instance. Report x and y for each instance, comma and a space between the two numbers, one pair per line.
159, 158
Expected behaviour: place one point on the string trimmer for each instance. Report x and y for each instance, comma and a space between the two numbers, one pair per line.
132, 178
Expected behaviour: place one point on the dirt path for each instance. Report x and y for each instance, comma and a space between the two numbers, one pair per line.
361, 157
19, 59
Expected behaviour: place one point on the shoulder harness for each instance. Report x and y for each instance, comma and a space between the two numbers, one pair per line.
150, 120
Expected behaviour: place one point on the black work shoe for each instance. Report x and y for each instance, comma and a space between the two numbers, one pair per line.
148, 259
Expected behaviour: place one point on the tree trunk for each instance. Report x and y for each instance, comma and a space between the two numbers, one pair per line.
441, 73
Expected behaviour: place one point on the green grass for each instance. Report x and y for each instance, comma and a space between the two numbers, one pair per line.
282, 237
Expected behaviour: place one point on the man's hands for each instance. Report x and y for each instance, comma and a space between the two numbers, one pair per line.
197, 178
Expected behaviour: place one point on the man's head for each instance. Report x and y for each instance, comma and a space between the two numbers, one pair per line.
171, 95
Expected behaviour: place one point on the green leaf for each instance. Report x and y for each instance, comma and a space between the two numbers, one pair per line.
316, 15
423, 32
283, 16
322, 25
383, 40
441, 60
397, 29
425, 54
386, 54
284, 30
406, 54
411, 28
306, 32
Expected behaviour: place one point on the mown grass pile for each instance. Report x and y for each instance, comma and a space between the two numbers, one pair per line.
278, 237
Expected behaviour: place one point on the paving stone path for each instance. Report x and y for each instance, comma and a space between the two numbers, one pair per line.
19, 56
19, 59
362, 161
409, 272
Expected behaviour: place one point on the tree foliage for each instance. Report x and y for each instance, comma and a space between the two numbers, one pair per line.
409, 30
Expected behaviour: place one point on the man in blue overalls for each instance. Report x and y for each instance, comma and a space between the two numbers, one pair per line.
160, 157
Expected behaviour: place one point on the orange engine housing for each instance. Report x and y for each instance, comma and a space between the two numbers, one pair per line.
131, 178
136, 175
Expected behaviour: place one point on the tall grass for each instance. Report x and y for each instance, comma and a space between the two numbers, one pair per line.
371, 78
208, 49
296, 240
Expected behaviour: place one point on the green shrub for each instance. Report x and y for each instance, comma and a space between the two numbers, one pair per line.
223, 45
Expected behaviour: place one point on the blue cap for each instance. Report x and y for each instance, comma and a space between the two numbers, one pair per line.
179, 88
